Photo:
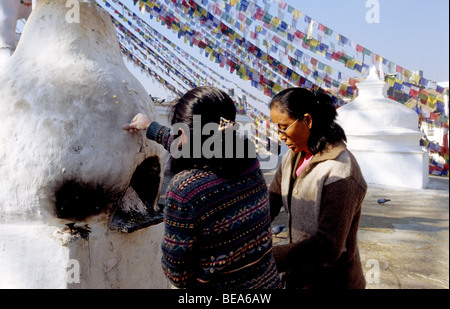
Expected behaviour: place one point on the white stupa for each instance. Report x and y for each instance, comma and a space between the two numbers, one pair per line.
77, 193
384, 136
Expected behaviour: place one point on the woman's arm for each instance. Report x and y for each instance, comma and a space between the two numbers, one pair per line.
154, 131
160, 134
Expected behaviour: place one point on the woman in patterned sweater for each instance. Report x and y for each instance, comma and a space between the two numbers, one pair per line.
217, 218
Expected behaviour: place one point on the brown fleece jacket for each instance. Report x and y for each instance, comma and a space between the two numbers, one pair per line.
324, 209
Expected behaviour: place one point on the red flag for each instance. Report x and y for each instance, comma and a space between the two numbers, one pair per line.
413, 93
322, 27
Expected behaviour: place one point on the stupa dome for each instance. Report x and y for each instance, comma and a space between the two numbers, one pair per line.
384, 136
372, 112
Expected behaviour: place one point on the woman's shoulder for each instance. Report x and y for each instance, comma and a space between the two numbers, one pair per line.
343, 166
184, 192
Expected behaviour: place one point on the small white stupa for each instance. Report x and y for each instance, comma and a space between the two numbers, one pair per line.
384, 136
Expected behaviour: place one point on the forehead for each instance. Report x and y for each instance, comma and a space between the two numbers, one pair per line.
279, 116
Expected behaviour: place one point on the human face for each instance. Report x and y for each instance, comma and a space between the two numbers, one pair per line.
296, 132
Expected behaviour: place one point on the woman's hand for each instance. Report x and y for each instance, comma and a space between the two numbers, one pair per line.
139, 122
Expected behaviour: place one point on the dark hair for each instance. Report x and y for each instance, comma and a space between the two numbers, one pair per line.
211, 104
297, 102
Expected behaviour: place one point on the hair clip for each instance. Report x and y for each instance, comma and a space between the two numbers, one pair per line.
225, 124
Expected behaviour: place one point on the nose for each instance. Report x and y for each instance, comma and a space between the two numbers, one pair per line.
281, 136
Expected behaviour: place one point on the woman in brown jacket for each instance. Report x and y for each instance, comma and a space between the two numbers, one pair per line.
320, 185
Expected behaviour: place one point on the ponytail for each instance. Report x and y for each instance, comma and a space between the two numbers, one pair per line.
326, 108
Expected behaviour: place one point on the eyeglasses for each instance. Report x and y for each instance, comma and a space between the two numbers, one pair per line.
285, 130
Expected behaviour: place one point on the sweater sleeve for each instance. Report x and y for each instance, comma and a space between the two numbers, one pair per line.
160, 134
179, 258
339, 206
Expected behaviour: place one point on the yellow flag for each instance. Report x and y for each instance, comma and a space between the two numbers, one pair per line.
406, 74
350, 63
432, 99
275, 22
304, 68
295, 76
297, 13
277, 87
410, 104
415, 77
390, 80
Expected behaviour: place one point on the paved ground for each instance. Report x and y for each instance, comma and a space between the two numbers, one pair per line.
404, 244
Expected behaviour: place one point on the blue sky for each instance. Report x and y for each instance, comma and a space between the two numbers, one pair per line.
411, 33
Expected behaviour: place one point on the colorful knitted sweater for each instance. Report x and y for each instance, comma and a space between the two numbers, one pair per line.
217, 231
